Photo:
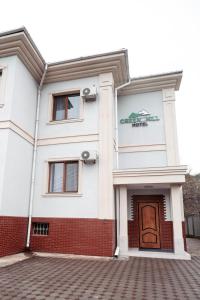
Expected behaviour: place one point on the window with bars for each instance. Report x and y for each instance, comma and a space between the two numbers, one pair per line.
63, 177
40, 228
66, 107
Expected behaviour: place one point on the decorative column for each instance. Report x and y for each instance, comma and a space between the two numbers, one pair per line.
170, 127
123, 221
177, 211
106, 103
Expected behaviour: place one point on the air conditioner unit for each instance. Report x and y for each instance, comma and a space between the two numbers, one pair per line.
89, 94
89, 157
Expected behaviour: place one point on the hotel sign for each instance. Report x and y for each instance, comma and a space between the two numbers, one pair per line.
140, 119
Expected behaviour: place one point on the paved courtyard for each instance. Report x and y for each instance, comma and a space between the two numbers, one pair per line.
85, 278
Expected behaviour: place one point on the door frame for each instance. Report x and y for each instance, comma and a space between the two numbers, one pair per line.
145, 199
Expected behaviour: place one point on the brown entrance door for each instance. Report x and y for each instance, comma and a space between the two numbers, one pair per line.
149, 225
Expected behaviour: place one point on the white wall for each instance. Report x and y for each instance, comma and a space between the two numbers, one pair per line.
81, 206
84, 205
153, 134
89, 122
20, 98
142, 159
24, 99
8, 78
3, 151
17, 176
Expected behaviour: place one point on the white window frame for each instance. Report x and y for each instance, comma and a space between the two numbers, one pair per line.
46, 192
51, 102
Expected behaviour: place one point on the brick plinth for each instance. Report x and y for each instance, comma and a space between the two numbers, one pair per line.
166, 235
76, 236
12, 235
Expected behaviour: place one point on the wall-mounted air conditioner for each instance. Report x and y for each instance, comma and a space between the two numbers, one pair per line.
89, 94
89, 156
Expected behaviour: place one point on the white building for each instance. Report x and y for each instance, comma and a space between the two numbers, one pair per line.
127, 195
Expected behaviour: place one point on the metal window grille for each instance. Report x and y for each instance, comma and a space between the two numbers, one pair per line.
41, 228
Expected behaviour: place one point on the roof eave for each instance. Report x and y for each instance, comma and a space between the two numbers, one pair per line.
152, 83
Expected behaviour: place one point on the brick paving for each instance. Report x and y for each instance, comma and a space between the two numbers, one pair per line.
193, 246
41, 278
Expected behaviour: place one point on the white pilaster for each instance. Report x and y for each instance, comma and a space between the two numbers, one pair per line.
123, 226
170, 127
106, 102
176, 205
3, 77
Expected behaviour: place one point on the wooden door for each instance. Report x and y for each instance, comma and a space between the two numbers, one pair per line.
149, 225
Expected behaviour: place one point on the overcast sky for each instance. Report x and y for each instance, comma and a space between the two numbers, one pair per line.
160, 35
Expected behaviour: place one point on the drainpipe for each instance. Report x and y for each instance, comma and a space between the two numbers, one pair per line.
34, 158
117, 199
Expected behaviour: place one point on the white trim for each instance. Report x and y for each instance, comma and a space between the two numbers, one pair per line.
176, 206
8, 124
19, 44
106, 102
115, 63
152, 83
174, 174
3, 79
64, 121
65, 195
141, 148
170, 127
153, 254
69, 139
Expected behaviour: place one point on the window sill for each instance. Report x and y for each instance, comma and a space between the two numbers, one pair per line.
40, 235
64, 121
62, 195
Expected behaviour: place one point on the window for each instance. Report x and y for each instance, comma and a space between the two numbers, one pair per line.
63, 177
66, 107
41, 228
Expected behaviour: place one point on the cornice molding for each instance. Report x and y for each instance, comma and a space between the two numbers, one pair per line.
114, 62
153, 83
20, 44
174, 174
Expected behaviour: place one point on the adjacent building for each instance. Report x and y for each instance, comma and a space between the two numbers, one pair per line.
89, 157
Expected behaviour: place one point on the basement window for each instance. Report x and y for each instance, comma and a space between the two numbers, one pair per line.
40, 228
66, 107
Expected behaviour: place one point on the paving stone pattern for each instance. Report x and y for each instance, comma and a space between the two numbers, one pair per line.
51, 278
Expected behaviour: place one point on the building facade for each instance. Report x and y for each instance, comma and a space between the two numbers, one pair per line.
89, 157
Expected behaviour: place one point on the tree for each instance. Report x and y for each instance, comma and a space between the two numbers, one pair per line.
191, 194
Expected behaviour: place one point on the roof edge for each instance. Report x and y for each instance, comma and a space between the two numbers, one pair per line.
27, 34
88, 57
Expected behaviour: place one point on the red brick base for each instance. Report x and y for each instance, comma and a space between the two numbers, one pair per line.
166, 235
12, 235
76, 236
